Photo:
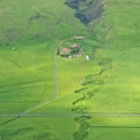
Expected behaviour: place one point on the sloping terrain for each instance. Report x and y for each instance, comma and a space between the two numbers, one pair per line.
44, 96
86, 10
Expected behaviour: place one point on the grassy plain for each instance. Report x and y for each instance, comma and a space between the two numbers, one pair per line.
27, 64
120, 93
30, 32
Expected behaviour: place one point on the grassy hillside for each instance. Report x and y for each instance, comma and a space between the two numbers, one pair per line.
29, 58
35, 21
120, 94
33, 80
28, 66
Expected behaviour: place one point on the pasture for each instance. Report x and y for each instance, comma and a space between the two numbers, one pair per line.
34, 80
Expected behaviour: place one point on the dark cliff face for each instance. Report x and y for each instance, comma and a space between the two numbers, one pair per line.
86, 10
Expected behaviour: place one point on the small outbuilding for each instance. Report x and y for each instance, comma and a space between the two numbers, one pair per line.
87, 57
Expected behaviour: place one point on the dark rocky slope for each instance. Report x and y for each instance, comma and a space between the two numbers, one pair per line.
86, 10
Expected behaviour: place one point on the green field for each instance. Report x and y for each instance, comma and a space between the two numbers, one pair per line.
35, 81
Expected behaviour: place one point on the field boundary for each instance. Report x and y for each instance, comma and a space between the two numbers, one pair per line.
56, 76
70, 114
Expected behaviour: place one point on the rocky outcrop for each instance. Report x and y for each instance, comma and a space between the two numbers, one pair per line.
86, 10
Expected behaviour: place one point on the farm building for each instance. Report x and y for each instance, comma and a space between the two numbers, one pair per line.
72, 51
79, 37
75, 46
65, 52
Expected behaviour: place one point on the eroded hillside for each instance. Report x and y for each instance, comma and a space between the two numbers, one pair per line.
86, 10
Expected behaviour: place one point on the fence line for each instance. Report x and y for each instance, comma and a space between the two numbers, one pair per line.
70, 114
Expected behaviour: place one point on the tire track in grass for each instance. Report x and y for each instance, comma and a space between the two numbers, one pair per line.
12, 62
6, 122
22, 88
15, 64
21, 83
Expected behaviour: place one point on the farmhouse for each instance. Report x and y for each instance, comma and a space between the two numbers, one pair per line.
72, 51
64, 52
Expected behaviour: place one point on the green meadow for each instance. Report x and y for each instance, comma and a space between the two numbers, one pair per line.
34, 80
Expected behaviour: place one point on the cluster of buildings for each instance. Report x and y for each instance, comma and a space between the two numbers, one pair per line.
73, 51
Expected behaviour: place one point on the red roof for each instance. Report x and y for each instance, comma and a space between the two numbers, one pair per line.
66, 49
